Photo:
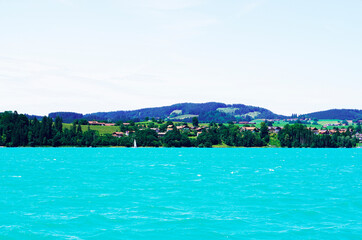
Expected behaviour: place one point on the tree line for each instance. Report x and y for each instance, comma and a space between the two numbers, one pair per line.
297, 135
17, 130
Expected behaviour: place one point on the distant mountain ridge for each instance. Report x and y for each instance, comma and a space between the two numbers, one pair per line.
206, 112
342, 114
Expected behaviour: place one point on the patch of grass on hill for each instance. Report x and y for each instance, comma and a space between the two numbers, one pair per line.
228, 110
328, 121
252, 114
318, 126
280, 123
184, 116
257, 120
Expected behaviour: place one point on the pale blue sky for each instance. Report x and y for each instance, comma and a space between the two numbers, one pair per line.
88, 56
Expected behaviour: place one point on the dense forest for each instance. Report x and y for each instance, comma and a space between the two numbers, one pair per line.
67, 117
17, 130
297, 135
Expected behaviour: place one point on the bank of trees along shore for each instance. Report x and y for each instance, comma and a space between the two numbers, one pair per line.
17, 130
297, 135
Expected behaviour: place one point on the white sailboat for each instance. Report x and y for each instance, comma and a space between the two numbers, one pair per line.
134, 143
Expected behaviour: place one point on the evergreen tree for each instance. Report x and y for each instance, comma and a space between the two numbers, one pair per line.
264, 133
195, 121
58, 124
79, 129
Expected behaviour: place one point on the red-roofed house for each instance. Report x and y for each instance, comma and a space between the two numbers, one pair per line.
253, 129
117, 134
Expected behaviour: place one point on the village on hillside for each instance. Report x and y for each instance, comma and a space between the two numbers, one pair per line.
195, 131
18, 130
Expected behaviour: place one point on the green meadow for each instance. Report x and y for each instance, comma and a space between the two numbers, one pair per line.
328, 121
101, 129
180, 117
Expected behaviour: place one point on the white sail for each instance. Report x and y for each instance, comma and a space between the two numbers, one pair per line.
134, 143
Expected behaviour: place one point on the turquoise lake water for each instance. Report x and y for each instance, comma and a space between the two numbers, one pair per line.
149, 193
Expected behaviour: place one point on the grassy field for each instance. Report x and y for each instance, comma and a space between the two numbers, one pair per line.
257, 120
101, 129
229, 110
223, 145
183, 117
279, 124
328, 121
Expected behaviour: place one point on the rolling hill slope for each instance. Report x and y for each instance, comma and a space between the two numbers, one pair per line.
206, 112
342, 114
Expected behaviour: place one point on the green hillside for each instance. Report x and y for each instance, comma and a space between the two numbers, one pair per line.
206, 112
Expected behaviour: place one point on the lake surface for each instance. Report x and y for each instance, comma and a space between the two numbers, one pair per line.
149, 193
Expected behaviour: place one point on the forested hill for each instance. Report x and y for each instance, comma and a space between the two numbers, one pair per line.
206, 112
342, 114
67, 117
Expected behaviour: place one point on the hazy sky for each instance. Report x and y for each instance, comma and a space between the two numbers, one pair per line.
88, 56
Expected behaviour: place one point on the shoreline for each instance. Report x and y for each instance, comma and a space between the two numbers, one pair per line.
214, 147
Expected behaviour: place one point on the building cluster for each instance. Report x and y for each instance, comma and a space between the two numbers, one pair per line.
100, 123
121, 134
359, 136
346, 123
349, 122
255, 129
245, 122
199, 129
182, 128
328, 131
